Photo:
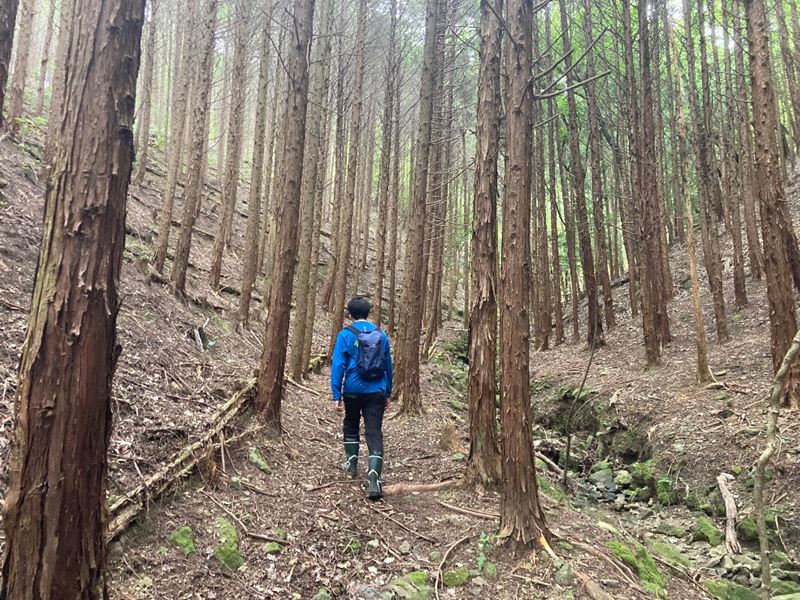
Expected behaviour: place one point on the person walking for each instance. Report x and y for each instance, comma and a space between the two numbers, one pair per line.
361, 384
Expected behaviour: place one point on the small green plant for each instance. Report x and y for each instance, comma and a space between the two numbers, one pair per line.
354, 546
484, 541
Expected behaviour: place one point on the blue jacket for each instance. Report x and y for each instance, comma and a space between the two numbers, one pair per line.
344, 376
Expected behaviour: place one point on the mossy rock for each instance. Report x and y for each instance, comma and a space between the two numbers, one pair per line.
669, 553
628, 444
183, 538
640, 559
258, 460
671, 530
782, 587
411, 586
787, 597
549, 490
748, 530
456, 577
705, 531
227, 552
644, 473
727, 590
665, 491
456, 405
623, 478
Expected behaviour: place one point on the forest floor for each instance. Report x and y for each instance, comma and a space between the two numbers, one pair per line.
166, 388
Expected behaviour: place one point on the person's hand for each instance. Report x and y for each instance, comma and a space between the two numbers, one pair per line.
338, 406
387, 403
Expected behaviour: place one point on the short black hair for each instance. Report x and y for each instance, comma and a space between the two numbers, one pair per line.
359, 307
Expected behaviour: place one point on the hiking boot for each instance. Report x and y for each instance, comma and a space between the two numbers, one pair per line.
350, 465
374, 483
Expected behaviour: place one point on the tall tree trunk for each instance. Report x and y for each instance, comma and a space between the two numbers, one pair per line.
21, 60
594, 329
484, 453
703, 371
558, 305
654, 311
707, 217
230, 182
316, 241
394, 208
467, 231
522, 519
346, 229
569, 228
769, 189
595, 146
203, 33
143, 143
730, 188
387, 126
251, 236
340, 170
746, 175
175, 148
8, 19
55, 110
54, 511
276, 337
314, 169
266, 213
44, 63
414, 270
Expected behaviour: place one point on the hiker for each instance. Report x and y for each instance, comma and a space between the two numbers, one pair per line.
361, 382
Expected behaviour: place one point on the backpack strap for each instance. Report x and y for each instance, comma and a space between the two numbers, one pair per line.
355, 330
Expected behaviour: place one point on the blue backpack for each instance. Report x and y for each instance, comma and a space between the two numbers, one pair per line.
371, 365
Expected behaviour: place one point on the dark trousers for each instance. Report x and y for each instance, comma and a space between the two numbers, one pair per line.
371, 407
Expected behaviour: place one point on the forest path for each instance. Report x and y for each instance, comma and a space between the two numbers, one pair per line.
337, 539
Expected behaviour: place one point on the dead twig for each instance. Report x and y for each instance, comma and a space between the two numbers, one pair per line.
245, 531
452, 547
421, 536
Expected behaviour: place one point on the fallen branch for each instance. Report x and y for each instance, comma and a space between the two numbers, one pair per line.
245, 531
128, 508
402, 525
398, 489
731, 514
300, 386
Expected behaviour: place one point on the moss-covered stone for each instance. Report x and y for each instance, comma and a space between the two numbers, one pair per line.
783, 587
748, 530
549, 490
704, 530
258, 460
411, 586
665, 491
623, 478
669, 553
727, 590
227, 552
671, 530
640, 559
644, 473
183, 538
456, 577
